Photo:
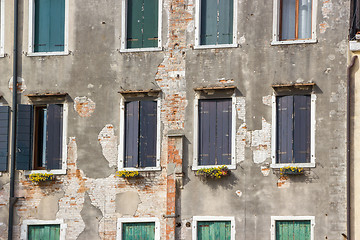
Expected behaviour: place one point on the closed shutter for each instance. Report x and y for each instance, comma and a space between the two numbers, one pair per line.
54, 127
150, 30
44, 232
147, 137
294, 230
223, 132
214, 230
225, 25
131, 134
284, 130
49, 25
24, 137
302, 128
138, 231
4, 137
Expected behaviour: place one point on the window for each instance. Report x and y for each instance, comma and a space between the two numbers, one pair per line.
354, 19
41, 137
214, 131
292, 228
4, 137
48, 27
139, 135
2, 26
141, 25
216, 23
294, 21
43, 229
205, 228
293, 130
138, 228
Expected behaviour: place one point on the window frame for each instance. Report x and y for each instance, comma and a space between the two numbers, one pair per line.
2, 31
121, 146
64, 145
31, 52
124, 14
120, 222
277, 23
26, 223
292, 218
311, 164
197, 44
212, 219
195, 165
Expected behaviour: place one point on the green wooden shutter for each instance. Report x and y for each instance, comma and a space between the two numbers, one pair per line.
293, 230
150, 30
138, 231
225, 24
208, 28
214, 230
44, 232
49, 25
24, 129
4, 137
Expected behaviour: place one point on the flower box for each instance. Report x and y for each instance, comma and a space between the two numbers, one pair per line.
127, 174
291, 171
214, 172
41, 177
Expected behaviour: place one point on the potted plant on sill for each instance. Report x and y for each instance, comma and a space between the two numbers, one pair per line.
291, 171
41, 177
127, 174
213, 172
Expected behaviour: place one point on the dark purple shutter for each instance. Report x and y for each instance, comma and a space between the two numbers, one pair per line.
131, 134
54, 137
24, 137
302, 128
4, 137
205, 126
284, 131
223, 132
147, 136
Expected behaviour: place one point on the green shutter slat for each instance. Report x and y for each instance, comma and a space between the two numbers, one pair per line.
135, 21
44, 232
42, 26
150, 29
4, 136
294, 230
24, 129
138, 231
213, 230
57, 26
225, 24
208, 28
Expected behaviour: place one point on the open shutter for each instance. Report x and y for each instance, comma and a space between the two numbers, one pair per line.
133, 231
4, 137
147, 137
54, 128
284, 130
208, 28
150, 30
135, 21
24, 137
207, 132
223, 132
302, 128
225, 24
214, 230
131, 133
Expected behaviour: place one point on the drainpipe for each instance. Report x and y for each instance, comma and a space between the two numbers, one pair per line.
348, 131
12, 198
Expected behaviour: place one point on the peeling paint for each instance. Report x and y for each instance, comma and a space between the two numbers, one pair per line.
21, 86
283, 182
267, 100
238, 193
265, 170
84, 106
323, 26
108, 142
261, 143
327, 8
127, 203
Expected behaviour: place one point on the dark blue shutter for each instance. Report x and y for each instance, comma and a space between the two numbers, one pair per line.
24, 137
302, 128
147, 136
208, 28
284, 130
206, 139
131, 134
54, 130
4, 137
223, 132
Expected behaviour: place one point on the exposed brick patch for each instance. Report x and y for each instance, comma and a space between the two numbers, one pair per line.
84, 106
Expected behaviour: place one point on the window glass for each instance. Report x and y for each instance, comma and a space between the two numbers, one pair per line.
134, 231
293, 230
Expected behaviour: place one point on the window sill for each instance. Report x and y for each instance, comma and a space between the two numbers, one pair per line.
354, 46
234, 45
55, 171
129, 50
147, 169
230, 167
301, 165
291, 42
42, 54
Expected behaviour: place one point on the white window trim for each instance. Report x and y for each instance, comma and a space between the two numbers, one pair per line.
290, 218
2, 32
312, 137
354, 46
122, 139
124, 14
64, 148
212, 218
137, 220
26, 223
195, 165
198, 26
276, 26
31, 52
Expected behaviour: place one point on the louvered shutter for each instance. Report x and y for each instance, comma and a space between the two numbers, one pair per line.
24, 130
225, 24
223, 132
214, 230
208, 25
297, 230
4, 137
141, 230
147, 136
206, 133
131, 134
150, 27
39, 232
54, 132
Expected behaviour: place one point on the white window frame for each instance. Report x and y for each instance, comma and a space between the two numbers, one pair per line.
124, 15
291, 218
198, 26
31, 52
121, 146
211, 219
64, 147
26, 223
195, 165
2, 32
276, 25
312, 137
137, 220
